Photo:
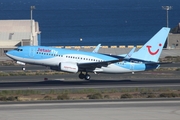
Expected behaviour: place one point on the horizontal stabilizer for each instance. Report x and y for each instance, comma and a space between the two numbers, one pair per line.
128, 56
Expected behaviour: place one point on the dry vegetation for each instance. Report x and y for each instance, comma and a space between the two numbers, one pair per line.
170, 59
86, 94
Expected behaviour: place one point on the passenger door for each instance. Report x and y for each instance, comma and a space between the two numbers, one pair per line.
31, 52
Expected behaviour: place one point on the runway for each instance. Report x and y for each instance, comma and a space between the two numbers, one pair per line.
109, 110
19, 67
100, 81
147, 79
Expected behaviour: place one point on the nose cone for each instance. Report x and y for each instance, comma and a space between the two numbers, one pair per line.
8, 53
5, 51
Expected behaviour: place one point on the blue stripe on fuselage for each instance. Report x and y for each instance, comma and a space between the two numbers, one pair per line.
137, 66
132, 66
39, 53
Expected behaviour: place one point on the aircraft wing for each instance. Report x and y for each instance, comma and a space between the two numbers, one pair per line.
93, 65
126, 57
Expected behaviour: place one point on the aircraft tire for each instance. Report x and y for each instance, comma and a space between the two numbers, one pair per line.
81, 76
23, 68
87, 77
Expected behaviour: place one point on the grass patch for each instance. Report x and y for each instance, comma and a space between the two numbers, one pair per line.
95, 96
126, 95
30, 73
63, 96
32, 95
151, 96
47, 97
170, 59
169, 95
10, 98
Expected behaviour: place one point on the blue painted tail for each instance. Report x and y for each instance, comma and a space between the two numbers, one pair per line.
152, 49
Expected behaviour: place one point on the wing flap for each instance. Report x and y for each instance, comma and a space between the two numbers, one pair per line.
151, 63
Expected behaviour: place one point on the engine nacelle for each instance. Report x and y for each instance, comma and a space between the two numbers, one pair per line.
68, 67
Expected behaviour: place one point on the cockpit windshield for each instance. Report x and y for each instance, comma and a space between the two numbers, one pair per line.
17, 49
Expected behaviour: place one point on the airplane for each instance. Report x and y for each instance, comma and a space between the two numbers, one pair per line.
74, 61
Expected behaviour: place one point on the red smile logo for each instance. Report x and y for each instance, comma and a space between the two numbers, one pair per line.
153, 53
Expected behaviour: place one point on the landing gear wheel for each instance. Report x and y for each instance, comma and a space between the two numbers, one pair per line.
84, 76
81, 76
87, 77
23, 68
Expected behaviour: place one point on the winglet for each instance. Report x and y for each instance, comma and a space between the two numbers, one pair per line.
97, 48
128, 56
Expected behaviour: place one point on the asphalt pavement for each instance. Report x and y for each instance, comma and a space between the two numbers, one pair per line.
100, 81
109, 110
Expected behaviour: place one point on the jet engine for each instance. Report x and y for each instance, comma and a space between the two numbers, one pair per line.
68, 67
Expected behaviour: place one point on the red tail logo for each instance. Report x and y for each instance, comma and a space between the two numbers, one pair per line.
153, 53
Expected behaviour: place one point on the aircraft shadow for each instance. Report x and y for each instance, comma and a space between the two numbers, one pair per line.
86, 83
61, 83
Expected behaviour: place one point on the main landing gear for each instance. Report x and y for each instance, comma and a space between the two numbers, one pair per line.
84, 76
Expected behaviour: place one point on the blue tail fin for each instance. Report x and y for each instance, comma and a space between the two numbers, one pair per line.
152, 49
